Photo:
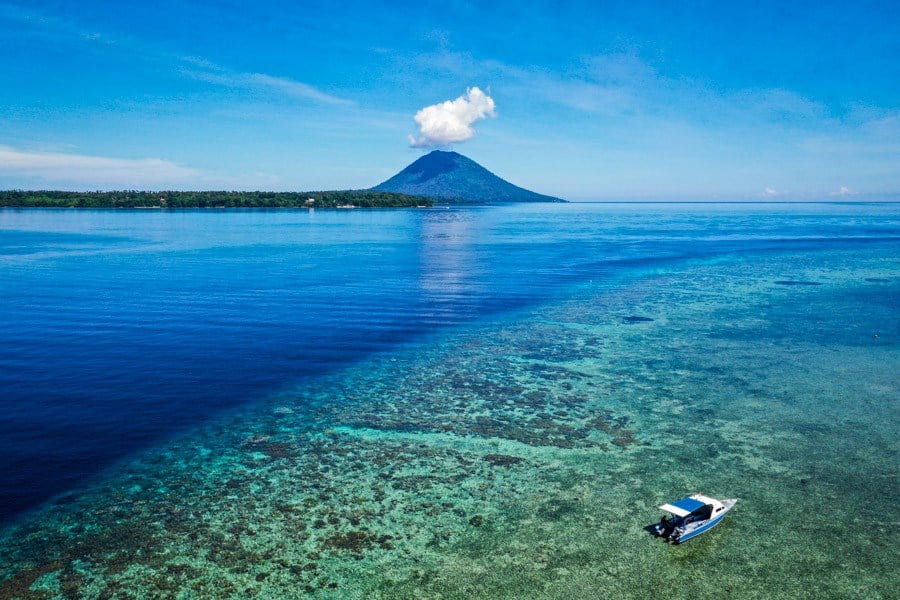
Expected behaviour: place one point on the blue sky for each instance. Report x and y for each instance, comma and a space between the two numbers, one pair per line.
593, 100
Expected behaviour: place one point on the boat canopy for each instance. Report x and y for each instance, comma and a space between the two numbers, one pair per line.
683, 507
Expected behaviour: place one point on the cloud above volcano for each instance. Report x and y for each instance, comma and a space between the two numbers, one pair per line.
450, 122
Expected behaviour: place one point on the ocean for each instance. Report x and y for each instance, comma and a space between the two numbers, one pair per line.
455, 402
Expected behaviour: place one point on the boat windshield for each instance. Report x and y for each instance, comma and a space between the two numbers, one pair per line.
700, 514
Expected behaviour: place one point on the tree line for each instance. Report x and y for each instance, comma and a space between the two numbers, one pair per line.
171, 199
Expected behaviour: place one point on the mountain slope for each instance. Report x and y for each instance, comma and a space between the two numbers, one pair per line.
453, 177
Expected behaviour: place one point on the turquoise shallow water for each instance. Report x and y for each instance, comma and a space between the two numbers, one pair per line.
521, 454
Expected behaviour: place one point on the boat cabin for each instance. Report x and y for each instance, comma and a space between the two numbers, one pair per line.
694, 508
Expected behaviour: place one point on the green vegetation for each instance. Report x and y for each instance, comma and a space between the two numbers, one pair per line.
136, 199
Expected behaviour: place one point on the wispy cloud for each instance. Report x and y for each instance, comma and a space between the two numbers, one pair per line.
193, 67
35, 19
39, 169
621, 84
50, 26
207, 71
290, 87
93, 171
588, 88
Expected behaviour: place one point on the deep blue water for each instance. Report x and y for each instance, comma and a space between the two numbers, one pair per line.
119, 328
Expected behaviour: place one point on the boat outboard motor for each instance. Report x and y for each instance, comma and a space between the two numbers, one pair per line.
667, 526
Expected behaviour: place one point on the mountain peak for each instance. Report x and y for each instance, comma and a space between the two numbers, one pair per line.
448, 175
435, 163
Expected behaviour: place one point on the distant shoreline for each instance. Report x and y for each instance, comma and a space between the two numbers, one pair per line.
164, 200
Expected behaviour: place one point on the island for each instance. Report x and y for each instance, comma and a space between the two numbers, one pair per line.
221, 199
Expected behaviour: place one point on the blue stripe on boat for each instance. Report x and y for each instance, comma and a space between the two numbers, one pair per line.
699, 530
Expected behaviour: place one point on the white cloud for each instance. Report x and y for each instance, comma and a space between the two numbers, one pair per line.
770, 192
292, 88
204, 70
844, 191
451, 121
53, 168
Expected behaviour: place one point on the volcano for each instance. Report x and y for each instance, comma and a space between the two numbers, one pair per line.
452, 177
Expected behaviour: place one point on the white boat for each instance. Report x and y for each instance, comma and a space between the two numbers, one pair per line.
692, 516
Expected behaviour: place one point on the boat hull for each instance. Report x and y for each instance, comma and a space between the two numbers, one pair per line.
700, 530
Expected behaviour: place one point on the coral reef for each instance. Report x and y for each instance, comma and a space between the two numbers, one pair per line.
523, 457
